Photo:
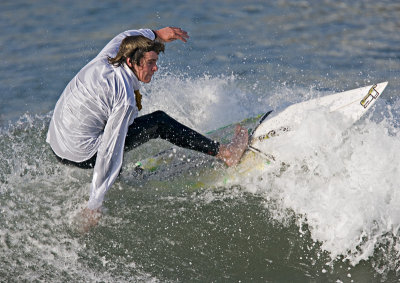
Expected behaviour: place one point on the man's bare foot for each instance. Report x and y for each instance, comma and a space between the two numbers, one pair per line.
232, 152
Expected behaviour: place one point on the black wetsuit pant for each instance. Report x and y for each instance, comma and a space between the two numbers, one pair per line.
159, 125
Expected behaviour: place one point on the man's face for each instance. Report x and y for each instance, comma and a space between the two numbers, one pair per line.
148, 66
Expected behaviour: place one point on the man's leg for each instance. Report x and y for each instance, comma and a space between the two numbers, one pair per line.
159, 125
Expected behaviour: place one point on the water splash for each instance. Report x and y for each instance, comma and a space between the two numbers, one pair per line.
339, 187
343, 185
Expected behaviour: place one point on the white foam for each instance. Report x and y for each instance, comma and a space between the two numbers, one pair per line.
204, 103
343, 183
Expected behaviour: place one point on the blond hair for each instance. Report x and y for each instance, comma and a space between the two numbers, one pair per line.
134, 47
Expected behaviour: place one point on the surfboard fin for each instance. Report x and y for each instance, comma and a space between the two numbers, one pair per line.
263, 117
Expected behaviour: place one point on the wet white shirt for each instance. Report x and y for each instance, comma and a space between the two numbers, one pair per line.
93, 115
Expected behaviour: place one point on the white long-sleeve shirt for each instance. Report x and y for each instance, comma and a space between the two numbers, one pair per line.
93, 115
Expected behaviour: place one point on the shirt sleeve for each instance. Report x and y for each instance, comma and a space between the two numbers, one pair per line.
110, 154
111, 49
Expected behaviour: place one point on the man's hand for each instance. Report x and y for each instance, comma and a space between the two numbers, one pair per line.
88, 219
169, 34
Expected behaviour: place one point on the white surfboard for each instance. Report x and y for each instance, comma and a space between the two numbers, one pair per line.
272, 129
351, 104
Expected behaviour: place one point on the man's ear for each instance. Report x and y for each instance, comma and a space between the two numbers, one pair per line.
129, 62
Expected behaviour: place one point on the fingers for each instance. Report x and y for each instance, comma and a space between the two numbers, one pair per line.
172, 33
181, 34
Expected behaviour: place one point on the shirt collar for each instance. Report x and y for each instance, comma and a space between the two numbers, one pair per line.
131, 75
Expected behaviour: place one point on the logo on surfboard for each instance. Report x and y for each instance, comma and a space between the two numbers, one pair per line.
372, 94
272, 133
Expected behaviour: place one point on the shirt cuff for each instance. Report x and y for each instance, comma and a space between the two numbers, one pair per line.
94, 204
155, 34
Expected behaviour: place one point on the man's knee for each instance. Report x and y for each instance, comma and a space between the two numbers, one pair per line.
161, 116
159, 113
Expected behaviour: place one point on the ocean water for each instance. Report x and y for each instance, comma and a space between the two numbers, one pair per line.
330, 215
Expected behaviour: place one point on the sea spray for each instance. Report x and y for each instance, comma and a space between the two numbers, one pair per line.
342, 184
333, 200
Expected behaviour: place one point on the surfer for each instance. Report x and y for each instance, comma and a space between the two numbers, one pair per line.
96, 117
